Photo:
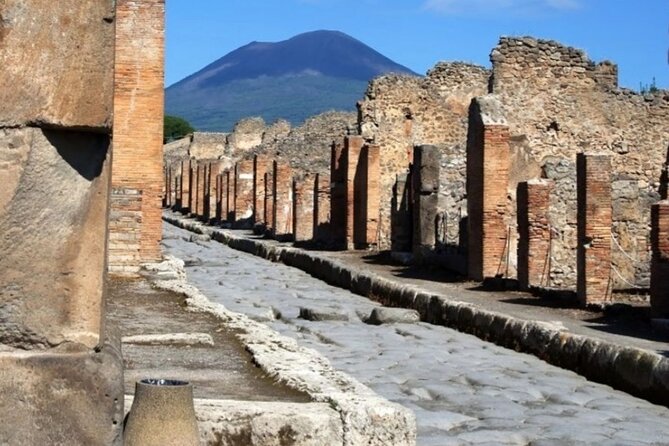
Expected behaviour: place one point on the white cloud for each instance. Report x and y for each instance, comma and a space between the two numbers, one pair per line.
495, 6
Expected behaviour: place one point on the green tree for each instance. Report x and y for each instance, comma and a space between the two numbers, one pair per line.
175, 128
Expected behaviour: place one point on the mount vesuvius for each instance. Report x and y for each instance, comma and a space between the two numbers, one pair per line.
293, 79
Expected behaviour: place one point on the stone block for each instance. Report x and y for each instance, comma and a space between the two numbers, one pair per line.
57, 60
385, 315
425, 194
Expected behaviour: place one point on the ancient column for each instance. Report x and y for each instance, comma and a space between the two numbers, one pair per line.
338, 195
352, 150
244, 194
269, 201
594, 218
425, 187
488, 161
216, 167
659, 275
192, 186
534, 233
199, 189
185, 187
303, 208
206, 195
261, 165
322, 207
61, 377
282, 207
138, 129
227, 195
367, 198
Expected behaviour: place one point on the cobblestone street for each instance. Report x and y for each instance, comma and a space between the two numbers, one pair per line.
462, 390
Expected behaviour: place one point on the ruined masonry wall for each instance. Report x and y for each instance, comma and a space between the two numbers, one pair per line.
400, 112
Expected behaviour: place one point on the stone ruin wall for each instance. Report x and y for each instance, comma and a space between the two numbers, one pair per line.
400, 112
558, 103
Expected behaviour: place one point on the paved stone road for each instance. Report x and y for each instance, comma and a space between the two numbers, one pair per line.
464, 391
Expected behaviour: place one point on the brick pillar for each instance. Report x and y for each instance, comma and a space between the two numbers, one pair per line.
206, 195
215, 169
594, 218
425, 187
338, 195
167, 190
177, 189
244, 194
227, 194
367, 197
401, 215
488, 161
534, 233
352, 151
185, 186
283, 206
659, 274
321, 207
199, 188
269, 201
261, 165
139, 113
192, 186
303, 208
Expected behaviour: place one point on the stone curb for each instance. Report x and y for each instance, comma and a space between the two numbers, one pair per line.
640, 372
366, 418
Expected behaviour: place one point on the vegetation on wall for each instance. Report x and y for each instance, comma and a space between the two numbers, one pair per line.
175, 128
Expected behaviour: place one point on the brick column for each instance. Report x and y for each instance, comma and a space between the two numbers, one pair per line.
594, 218
269, 201
177, 189
659, 275
206, 194
425, 189
303, 208
338, 195
139, 112
322, 208
488, 161
185, 186
401, 215
167, 186
244, 194
215, 169
261, 165
283, 206
367, 197
227, 195
199, 188
192, 186
354, 195
534, 233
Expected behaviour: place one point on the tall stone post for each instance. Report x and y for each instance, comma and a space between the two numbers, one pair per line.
402, 215
594, 218
338, 188
488, 160
321, 208
192, 186
61, 372
185, 186
282, 228
534, 233
215, 169
303, 208
167, 186
138, 127
177, 192
200, 175
425, 178
227, 196
244, 194
206, 195
352, 151
269, 201
261, 165
659, 274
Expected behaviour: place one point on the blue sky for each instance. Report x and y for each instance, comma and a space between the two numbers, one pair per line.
418, 33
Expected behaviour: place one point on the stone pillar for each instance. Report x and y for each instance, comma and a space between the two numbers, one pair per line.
321, 208
227, 195
261, 165
659, 274
338, 195
167, 186
594, 218
200, 175
425, 187
488, 161
215, 169
138, 118
206, 195
303, 208
283, 201
352, 151
401, 215
192, 186
534, 233
185, 186
60, 370
269, 201
177, 192
244, 194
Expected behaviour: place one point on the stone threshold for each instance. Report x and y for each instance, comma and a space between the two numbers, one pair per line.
637, 371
